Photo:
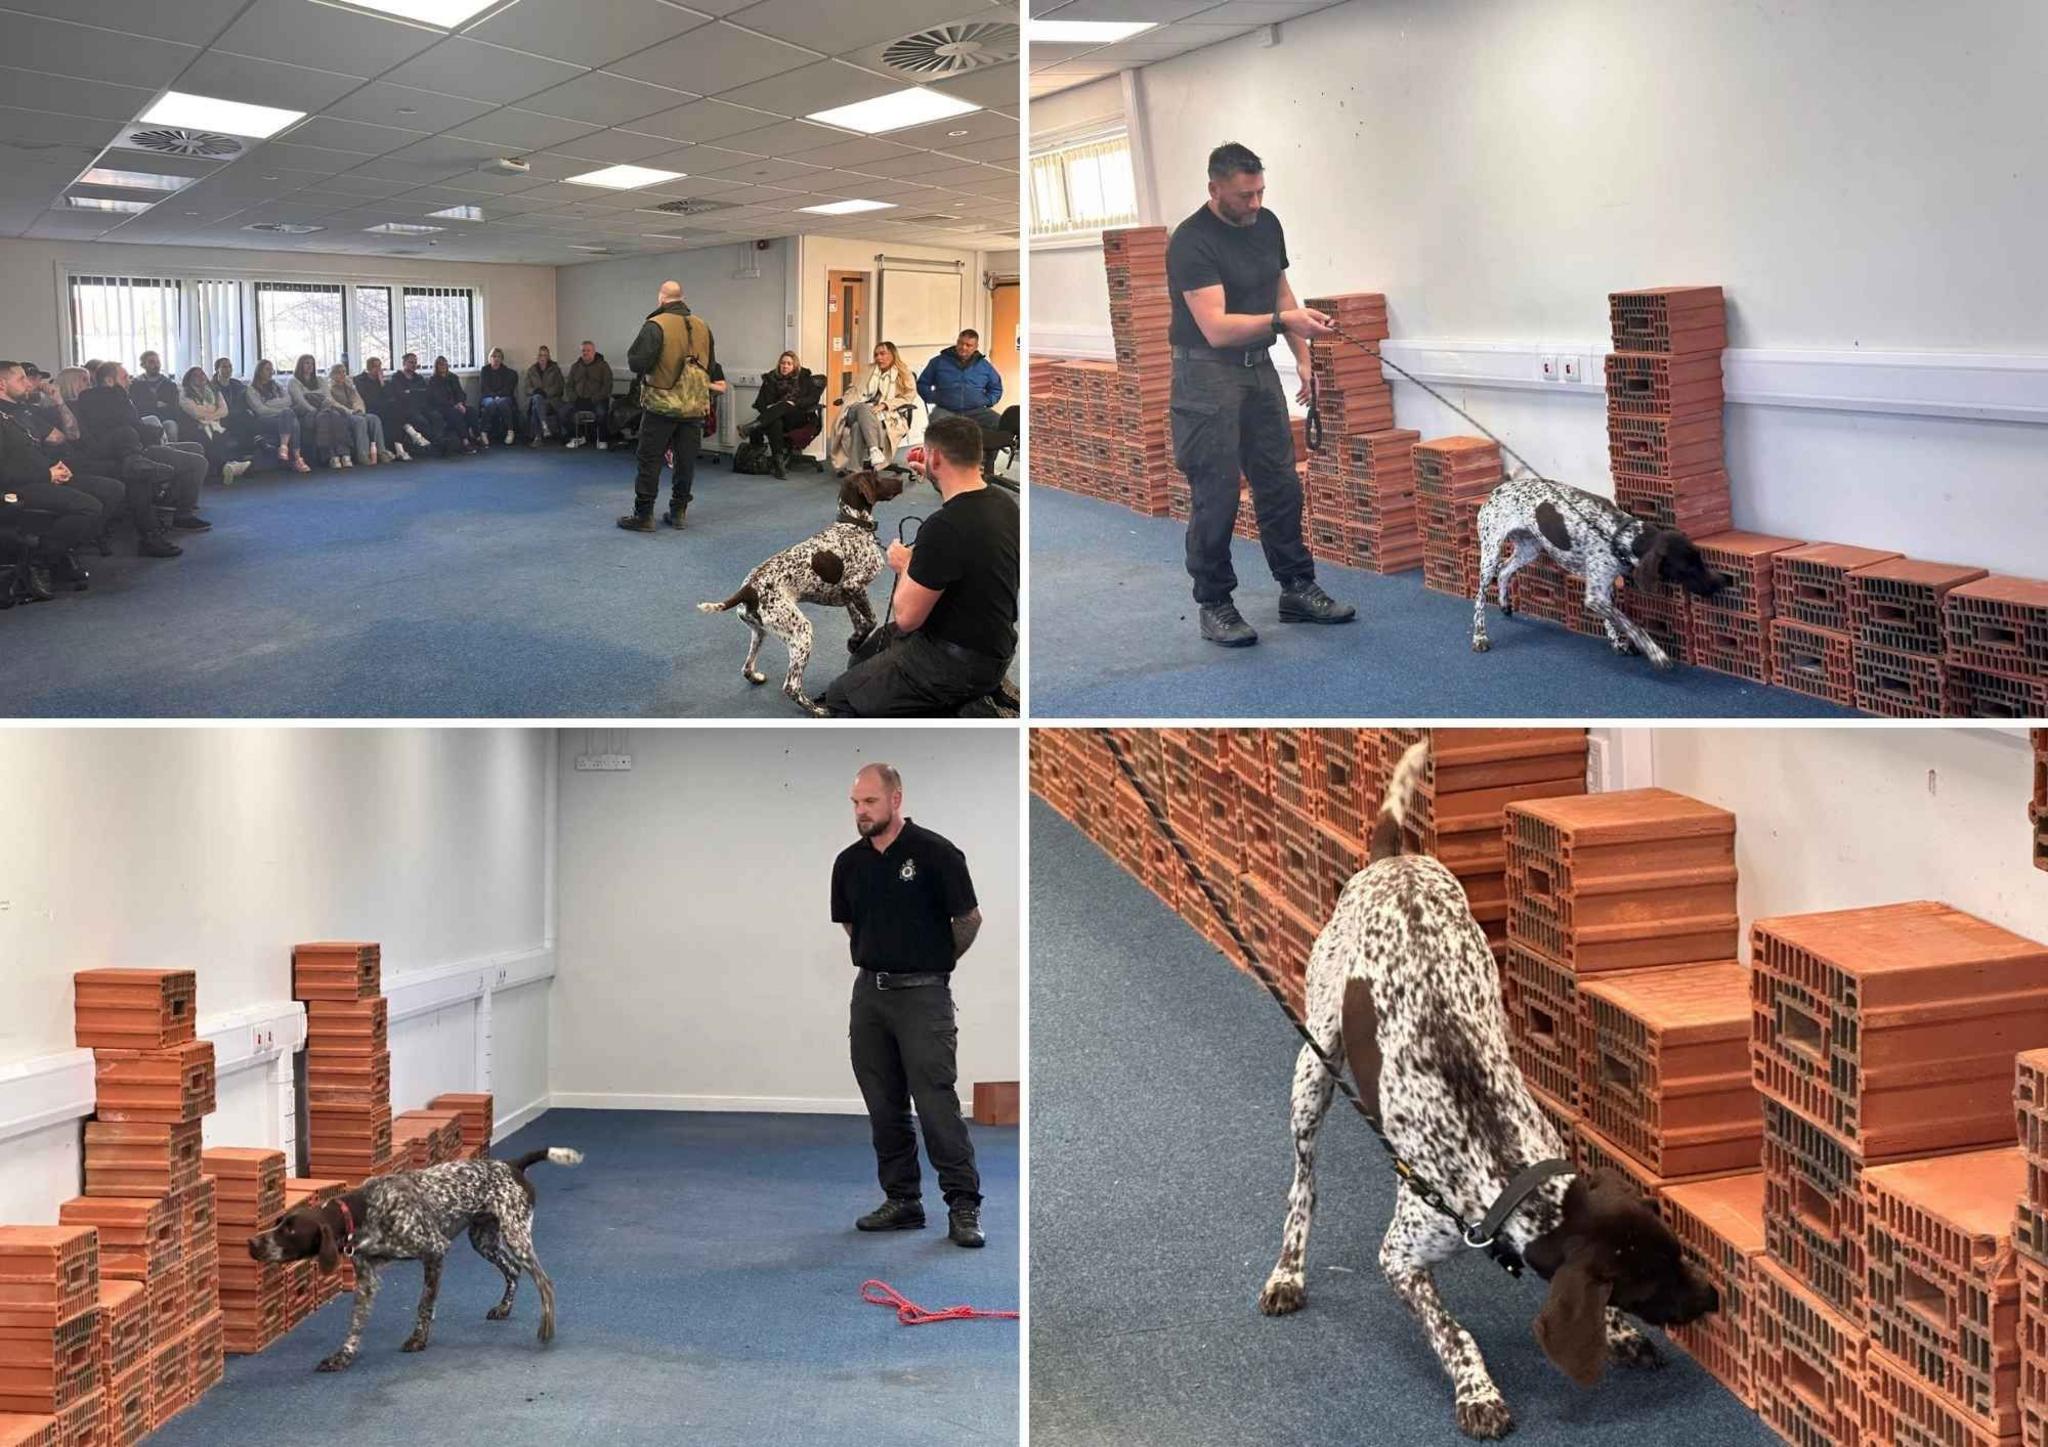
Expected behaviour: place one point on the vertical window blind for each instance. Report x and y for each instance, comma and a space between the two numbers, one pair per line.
441, 321
118, 318
1083, 186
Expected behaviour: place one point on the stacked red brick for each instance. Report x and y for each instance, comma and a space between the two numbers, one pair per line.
249, 1185
146, 1193
473, 1112
2030, 1242
51, 1367
348, 1059
1812, 651
1731, 631
307, 1287
1137, 452
1360, 484
1896, 619
2037, 812
427, 1138
1995, 648
1454, 476
1883, 1037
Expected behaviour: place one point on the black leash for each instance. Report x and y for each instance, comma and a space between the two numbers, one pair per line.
1315, 419
1485, 1236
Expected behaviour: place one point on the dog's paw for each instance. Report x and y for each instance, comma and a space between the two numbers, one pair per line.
414, 1343
1622, 646
1486, 1418
1635, 1349
1481, 645
1283, 1294
339, 1362
755, 677
1507, 609
498, 1313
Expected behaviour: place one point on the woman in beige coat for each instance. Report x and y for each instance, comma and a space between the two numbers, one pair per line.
366, 428
876, 415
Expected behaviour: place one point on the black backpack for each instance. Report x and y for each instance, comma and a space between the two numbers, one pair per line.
751, 458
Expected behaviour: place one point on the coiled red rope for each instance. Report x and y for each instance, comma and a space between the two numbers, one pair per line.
881, 1293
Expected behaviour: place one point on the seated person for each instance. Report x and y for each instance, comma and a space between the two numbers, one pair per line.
319, 420
450, 402
391, 407
110, 438
365, 428
953, 628
589, 391
544, 387
961, 382
786, 403
277, 421
66, 509
876, 415
499, 398
156, 396
205, 414
406, 390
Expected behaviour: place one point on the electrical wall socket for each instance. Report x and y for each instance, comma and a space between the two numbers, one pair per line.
604, 763
1548, 367
1574, 367
1596, 764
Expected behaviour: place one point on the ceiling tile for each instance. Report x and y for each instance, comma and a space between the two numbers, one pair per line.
605, 99
614, 147
350, 42
384, 104
521, 130
314, 160
1001, 151
62, 95
813, 88
961, 130
26, 134
856, 153
354, 183
704, 120
998, 87
476, 71
713, 59
264, 82
359, 137
588, 32
59, 47
787, 138
189, 20
837, 28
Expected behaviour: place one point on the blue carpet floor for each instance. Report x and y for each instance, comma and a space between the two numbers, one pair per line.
488, 586
1159, 1170
1113, 636
707, 1277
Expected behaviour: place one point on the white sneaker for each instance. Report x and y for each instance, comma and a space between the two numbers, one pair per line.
229, 471
575, 442
398, 451
348, 464
417, 439
334, 464
508, 438
603, 446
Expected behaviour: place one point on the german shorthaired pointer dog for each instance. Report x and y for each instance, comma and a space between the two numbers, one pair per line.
1403, 953
833, 567
416, 1215
1590, 538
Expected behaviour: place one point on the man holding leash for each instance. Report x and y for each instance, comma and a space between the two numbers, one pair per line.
907, 903
1226, 267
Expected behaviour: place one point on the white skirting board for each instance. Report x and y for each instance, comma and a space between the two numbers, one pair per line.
756, 1104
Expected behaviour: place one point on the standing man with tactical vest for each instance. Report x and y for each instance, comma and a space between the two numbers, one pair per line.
675, 359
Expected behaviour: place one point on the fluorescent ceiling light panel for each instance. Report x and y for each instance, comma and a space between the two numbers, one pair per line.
898, 111
624, 178
133, 180
1085, 32
402, 228
847, 208
101, 203
445, 13
459, 213
204, 113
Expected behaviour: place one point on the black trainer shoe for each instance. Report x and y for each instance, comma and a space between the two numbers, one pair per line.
638, 522
156, 545
1308, 603
893, 1215
1222, 623
965, 1226
191, 522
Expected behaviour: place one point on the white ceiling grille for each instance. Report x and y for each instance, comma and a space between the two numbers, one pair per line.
953, 49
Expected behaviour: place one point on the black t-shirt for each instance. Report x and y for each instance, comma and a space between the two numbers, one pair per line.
969, 549
902, 901
1246, 260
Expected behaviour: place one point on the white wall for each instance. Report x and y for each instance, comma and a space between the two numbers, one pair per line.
1496, 167
518, 301
1067, 291
699, 967
216, 850
1840, 818
607, 301
820, 255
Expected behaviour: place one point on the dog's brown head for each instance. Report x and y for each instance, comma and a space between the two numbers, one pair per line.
1666, 555
1610, 1249
863, 490
306, 1231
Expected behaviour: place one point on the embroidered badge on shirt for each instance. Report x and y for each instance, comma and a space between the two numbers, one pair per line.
908, 872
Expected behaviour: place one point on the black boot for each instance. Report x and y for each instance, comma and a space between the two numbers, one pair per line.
1308, 603
893, 1215
964, 1225
156, 545
778, 464
67, 572
34, 585
638, 520
675, 514
1223, 624
191, 522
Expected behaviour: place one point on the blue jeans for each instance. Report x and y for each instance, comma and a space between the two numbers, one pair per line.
500, 415
540, 411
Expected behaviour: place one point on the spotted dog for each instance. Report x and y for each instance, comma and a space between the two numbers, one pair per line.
1402, 953
416, 1215
833, 567
1590, 538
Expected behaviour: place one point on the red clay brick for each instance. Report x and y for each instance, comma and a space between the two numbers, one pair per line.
140, 1158
127, 1406
1807, 1362
134, 1009
170, 1390
1898, 685
1660, 447
48, 1368
28, 1429
337, 970
1697, 505
1720, 1227
1597, 1153
1982, 693
360, 1028
1815, 661
1900, 1407
1646, 384
84, 1422
1897, 603
168, 1086
48, 1274
1744, 561
1728, 643
1677, 320
1811, 584
123, 1326
1542, 1002
198, 1211
139, 1236
1998, 623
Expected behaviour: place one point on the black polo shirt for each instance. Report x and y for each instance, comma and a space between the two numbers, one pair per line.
1246, 261
902, 901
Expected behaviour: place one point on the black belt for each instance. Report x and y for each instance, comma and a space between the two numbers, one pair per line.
968, 655
1229, 356
897, 980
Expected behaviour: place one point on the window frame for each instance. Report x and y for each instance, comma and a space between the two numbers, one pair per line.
1088, 233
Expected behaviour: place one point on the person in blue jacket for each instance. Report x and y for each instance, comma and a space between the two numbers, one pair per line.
960, 380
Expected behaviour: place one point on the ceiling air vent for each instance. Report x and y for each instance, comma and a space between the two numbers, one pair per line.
177, 141
689, 206
953, 49
284, 228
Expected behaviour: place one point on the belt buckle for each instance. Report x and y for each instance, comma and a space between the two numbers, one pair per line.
1251, 358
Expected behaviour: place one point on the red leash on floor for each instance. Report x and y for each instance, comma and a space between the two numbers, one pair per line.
881, 1293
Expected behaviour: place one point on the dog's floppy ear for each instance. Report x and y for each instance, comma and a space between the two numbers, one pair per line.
1572, 1326
1653, 546
330, 1248
864, 483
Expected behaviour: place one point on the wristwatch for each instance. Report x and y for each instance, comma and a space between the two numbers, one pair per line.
1279, 326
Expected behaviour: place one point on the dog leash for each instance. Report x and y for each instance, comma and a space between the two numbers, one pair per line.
881, 1293
1482, 1236
1315, 431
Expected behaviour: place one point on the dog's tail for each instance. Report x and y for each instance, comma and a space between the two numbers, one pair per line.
553, 1155
745, 598
1389, 837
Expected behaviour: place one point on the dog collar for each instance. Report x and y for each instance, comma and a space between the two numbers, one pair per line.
1486, 1235
858, 519
348, 1221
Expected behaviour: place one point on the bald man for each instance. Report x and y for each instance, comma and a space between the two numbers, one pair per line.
907, 903
675, 359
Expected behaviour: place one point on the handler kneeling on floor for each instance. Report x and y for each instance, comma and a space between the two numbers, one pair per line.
904, 895
953, 615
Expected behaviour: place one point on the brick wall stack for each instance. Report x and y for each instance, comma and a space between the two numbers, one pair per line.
307, 1287
348, 1059
473, 1111
1359, 484
2030, 1241
1731, 631
51, 1368
2037, 811
1811, 642
249, 1202
1995, 648
1664, 439
1138, 453
1454, 476
1896, 620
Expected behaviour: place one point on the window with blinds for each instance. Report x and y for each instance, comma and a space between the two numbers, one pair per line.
440, 321
373, 326
217, 329
118, 318
1083, 186
295, 318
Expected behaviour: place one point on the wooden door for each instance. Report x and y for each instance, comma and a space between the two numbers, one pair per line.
1001, 344
846, 331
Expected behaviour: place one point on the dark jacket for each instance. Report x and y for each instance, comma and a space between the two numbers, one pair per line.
959, 386
108, 423
447, 391
22, 460
802, 389
591, 380
497, 381
370, 389
646, 349
546, 381
155, 396
412, 388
